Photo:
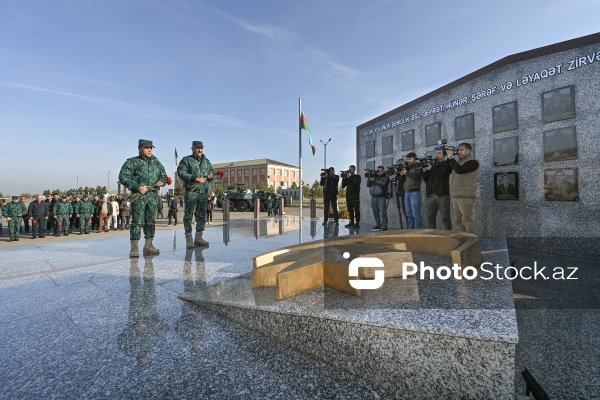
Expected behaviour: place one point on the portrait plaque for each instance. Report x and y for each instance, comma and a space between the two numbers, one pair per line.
506, 151
408, 140
506, 186
561, 184
370, 165
387, 145
505, 117
433, 133
370, 149
464, 126
558, 104
560, 144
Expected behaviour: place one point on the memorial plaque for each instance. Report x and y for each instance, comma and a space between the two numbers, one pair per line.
506, 186
558, 104
506, 151
408, 140
561, 184
464, 126
560, 144
433, 133
370, 149
387, 145
505, 117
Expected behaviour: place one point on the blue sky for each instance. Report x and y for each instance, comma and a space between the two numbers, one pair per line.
81, 81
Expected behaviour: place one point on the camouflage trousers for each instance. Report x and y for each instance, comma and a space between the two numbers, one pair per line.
14, 226
64, 220
84, 223
143, 215
195, 204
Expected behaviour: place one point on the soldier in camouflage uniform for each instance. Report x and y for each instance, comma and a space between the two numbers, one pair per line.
196, 172
84, 211
13, 212
143, 175
63, 210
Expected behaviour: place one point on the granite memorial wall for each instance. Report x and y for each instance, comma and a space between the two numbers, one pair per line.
533, 119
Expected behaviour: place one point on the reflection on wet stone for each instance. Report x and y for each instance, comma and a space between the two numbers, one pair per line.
190, 326
144, 325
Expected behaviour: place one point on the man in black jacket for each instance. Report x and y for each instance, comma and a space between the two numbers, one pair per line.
437, 190
330, 190
351, 182
38, 212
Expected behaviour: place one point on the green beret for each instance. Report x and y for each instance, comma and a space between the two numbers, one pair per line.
198, 143
145, 143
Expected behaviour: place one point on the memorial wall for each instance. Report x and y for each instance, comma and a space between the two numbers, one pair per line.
533, 120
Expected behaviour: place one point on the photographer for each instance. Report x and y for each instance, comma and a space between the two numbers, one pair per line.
379, 185
351, 182
412, 188
399, 180
437, 190
330, 182
463, 187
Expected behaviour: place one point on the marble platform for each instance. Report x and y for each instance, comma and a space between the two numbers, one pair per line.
416, 339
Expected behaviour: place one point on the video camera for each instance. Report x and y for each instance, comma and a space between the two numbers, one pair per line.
444, 143
392, 170
425, 161
370, 173
344, 174
324, 172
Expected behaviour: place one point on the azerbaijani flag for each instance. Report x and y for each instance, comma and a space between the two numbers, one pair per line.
304, 125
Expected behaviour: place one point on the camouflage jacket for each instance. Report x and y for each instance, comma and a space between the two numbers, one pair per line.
192, 167
84, 208
63, 208
13, 210
142, 171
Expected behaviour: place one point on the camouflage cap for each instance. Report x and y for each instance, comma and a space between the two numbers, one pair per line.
145, 143
198, 143
64, 196
85, 196
15, 197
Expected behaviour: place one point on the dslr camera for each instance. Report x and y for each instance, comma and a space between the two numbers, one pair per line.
324, 172
369, 173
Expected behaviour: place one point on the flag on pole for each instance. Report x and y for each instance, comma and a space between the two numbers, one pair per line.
175, 155
304, 125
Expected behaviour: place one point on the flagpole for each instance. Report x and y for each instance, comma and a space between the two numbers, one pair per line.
300, 164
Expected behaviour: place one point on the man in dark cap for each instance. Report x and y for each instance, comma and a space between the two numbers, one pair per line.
63, 210
196, 172
13, 212
143, 175
84, 211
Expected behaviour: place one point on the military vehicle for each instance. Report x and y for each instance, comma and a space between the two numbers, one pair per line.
242, 199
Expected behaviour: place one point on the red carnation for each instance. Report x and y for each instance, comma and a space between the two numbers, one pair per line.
35, 222
169, 180
59, 224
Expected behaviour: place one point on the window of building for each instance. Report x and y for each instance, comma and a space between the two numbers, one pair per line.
286, 173
239, 172
293, 174
254, 172
272, 171
247, 172
226, 174
262, 171
278, 172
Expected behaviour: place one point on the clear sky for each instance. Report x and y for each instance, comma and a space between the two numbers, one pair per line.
81, 81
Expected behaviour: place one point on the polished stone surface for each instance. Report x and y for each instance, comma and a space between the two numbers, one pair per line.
79, 319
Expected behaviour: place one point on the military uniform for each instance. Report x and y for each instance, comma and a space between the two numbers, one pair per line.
196, 193
13, 212
136, 172
275, 205
63, 210
269, 206
84, 211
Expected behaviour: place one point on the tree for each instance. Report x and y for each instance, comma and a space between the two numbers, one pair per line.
46, 192
260, 186
27, 195
219, 190
342, 192
179, 190
294, 185
271, 189
306, 191
317, 189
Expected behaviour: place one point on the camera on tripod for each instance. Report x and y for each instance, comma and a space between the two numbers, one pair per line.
324, 172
